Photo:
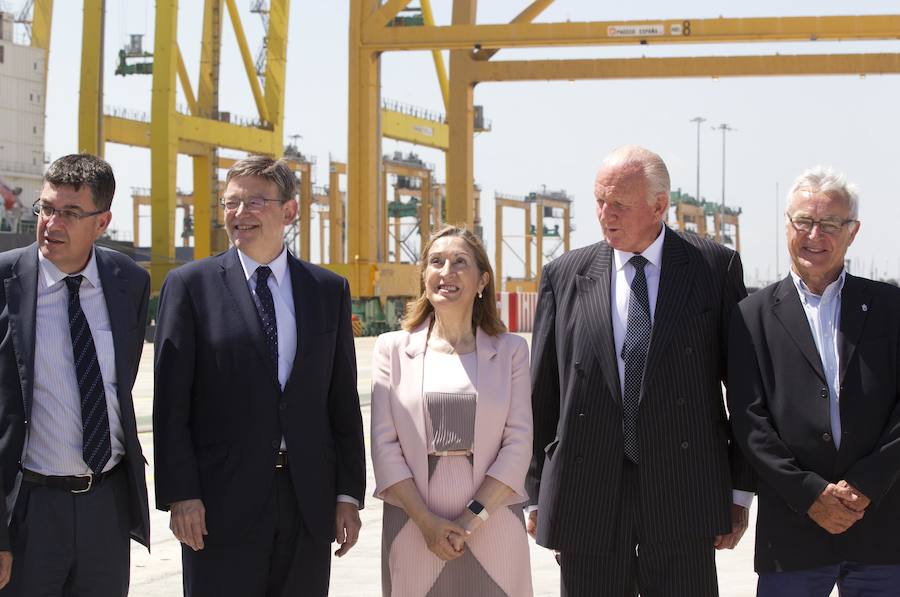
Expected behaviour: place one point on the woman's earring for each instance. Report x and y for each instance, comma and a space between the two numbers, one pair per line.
479, 294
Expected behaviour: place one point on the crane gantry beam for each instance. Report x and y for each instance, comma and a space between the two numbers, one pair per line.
469, 36
169, 132
472, 47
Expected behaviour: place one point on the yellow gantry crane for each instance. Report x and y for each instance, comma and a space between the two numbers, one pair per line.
473, 46
198, 133
546, 204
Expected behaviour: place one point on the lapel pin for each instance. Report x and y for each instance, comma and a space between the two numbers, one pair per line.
865, 308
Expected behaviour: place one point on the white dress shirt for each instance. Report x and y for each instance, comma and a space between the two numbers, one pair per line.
285, 319
620, 289
823, 313
54, 442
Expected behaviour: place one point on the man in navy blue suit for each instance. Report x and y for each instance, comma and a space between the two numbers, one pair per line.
72, 319
257, 429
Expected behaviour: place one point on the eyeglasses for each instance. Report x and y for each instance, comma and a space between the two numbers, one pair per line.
252, 203
67, 215
829, 227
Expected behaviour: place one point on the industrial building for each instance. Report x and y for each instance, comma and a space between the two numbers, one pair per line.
22, 100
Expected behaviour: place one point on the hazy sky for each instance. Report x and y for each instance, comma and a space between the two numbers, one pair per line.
556, 134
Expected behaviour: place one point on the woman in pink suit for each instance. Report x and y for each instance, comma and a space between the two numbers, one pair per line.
451, 434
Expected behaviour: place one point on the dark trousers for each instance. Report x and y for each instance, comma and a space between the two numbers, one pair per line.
635, 562
852, 579
71, 545
278, 558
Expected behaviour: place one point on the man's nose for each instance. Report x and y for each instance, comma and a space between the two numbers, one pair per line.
815, 231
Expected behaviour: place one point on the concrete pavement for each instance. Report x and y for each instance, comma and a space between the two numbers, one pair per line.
158, 574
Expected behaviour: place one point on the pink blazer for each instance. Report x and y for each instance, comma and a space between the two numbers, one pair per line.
503, 425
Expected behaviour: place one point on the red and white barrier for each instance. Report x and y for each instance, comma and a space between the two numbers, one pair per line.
517, 310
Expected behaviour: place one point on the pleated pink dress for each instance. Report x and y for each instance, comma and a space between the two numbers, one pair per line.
496, 561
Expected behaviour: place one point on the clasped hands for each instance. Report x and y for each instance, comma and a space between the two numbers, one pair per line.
447, 539
839, 507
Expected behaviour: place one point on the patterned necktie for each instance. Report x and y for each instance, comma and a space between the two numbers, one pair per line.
266, 308
96, 447
634, 353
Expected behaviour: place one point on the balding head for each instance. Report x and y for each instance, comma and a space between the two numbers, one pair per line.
634, 159
632, 192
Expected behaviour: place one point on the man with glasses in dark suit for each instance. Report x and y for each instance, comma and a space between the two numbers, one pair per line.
815, 405
72, 319
257, 430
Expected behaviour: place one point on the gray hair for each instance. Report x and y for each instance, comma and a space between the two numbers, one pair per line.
823, 179
655, 172
277, 171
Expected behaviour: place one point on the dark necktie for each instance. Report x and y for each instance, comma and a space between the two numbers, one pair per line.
634, 353
266, 307
96, 448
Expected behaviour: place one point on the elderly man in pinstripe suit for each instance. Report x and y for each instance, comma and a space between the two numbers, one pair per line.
634, 478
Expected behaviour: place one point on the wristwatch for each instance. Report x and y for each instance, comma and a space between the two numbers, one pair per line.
478, 509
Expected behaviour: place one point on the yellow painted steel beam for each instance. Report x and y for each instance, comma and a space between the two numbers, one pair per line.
186, 83
706, 66
412, 129
384, 14
526, 16
663, 31
208, 237
90, 99
202, 208
364, 153
276, 61
439, 67
224, 134
460, 117
197, 136
41, 21
136, 133
163, 143
210, 51
335, 213
249, 66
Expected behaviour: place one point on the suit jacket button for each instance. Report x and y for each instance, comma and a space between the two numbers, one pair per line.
276, 443
282, 405
679, 401
826, 437
688, 350
684, 445
824, 393
579, 459
581, 416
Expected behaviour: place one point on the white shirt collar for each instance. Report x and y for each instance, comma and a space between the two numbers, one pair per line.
653, 253
831, 290
277, 265
52, 274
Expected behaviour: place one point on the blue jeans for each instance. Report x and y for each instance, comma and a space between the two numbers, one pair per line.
853, 580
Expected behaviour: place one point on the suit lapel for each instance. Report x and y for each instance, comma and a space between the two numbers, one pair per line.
115, 293
235, 283
487, 389
676, 279
856, 302
412, 399
21, 300
305, 313
596, 309
787, 309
